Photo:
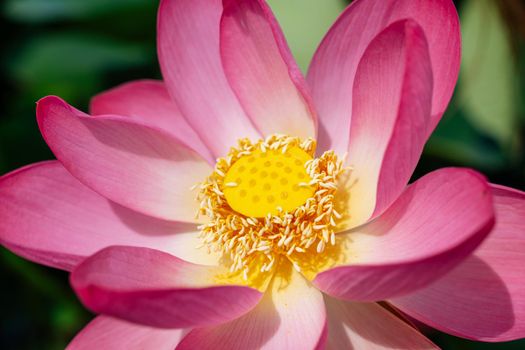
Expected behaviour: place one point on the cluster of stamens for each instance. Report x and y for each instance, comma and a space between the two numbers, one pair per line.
251, 239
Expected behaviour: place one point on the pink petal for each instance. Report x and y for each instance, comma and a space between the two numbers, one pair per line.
48, 216
333, 69
369, 326
391, 113
484, 298
291, 315
262, 71
108, 333
140, 167
156, 289
148, 102
435, 224
188, 48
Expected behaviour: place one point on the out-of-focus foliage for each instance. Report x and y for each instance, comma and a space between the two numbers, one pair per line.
38, 71
54, 10
488, 88
76, 48
484, 124
304, 29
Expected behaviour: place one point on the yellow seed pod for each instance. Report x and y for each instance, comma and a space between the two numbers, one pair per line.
260, 183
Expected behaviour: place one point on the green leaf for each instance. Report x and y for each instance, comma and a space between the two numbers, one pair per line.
71, 65
304, 23
456, 140
488, 83
53, 10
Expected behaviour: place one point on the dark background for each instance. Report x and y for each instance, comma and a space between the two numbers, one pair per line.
77, 48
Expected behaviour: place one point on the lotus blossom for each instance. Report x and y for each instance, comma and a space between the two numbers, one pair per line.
237, 205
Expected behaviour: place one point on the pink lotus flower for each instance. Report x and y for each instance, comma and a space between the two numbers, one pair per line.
291, 250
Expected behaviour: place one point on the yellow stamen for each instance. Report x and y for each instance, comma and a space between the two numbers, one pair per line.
270, 199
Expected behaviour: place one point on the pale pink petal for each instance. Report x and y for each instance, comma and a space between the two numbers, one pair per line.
483, 298
433, 226
109, 333
291, 315
156, 289
49, 217
333, 69
140, 167
189, 55
149, 102
369, 326
391, 114
262, 70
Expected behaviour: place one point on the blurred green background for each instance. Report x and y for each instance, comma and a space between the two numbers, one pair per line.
77, 48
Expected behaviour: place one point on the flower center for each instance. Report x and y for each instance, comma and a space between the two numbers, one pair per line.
268, 182
270, 199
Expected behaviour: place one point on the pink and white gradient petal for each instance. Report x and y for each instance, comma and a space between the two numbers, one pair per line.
109, 333
332, 71
262, 70
135, 165
391, 114
154, 288
433, 226
188, 49
291, 315
369, 326
49, 217
149, 102
484, 297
